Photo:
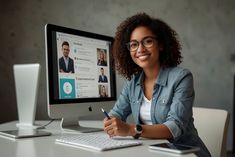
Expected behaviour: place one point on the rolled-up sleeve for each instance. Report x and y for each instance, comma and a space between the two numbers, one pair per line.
174, 129
180, 112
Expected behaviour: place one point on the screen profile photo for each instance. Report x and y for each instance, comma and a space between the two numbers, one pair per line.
102, 77
102, 57
103, 91
66, 64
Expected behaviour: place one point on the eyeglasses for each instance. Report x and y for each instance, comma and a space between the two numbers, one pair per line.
147, 42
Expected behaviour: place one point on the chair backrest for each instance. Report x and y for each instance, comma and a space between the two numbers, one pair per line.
212, 126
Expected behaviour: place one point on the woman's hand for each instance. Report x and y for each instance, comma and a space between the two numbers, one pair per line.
116, 127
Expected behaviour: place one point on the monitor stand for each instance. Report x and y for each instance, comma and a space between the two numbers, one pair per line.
72, 124
26, 85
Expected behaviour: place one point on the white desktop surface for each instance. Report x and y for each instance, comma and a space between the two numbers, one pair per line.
46, 146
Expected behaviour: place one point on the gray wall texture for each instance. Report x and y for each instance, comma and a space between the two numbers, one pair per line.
206, 29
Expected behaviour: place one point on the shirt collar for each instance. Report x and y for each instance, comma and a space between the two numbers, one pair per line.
66, 58
140, 78
163, 76
161, 80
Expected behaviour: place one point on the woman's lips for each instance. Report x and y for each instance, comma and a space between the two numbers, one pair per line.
143, 57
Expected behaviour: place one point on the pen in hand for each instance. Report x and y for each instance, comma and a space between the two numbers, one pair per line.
105, 113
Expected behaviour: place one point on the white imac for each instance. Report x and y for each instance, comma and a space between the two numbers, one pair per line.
80, 77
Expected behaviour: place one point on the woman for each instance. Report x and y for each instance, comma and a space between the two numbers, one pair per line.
103, 91
101, 60
158, 93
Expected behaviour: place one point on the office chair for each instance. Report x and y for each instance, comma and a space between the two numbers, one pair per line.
212, 126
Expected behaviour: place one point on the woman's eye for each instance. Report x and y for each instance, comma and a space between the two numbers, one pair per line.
133, 44
148, 41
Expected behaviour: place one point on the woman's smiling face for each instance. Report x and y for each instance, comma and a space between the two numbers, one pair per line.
145, 57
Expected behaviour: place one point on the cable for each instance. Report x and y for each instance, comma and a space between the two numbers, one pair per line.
44, 126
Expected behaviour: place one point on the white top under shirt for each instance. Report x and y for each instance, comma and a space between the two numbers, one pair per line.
145, 111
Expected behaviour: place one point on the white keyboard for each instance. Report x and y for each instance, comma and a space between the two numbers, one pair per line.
97, 141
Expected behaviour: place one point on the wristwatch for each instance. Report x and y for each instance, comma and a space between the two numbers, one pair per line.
138, 131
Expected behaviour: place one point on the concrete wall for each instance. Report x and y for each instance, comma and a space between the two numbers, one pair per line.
206, 29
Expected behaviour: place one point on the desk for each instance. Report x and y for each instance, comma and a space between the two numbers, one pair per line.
46, 147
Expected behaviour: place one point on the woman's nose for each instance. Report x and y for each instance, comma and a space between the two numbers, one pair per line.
141, 48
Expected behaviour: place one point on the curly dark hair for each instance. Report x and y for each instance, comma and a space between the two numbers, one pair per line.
170, 55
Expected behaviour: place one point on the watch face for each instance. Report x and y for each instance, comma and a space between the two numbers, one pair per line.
139, 128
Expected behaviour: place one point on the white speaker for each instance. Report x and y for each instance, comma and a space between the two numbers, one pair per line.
26, 84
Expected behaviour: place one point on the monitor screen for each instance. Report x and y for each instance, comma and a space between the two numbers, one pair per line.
80, 77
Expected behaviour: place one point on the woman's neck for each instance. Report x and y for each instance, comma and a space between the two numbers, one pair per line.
149, 81
151, 74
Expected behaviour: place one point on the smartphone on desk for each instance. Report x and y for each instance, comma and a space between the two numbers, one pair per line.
174, 148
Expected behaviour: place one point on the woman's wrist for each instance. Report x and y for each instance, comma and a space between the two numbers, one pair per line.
131, 130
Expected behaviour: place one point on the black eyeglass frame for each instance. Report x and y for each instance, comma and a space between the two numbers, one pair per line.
140, 42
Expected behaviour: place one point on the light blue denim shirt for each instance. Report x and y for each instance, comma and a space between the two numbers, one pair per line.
172, 101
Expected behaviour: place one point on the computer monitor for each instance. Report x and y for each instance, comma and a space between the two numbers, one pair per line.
80, 77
